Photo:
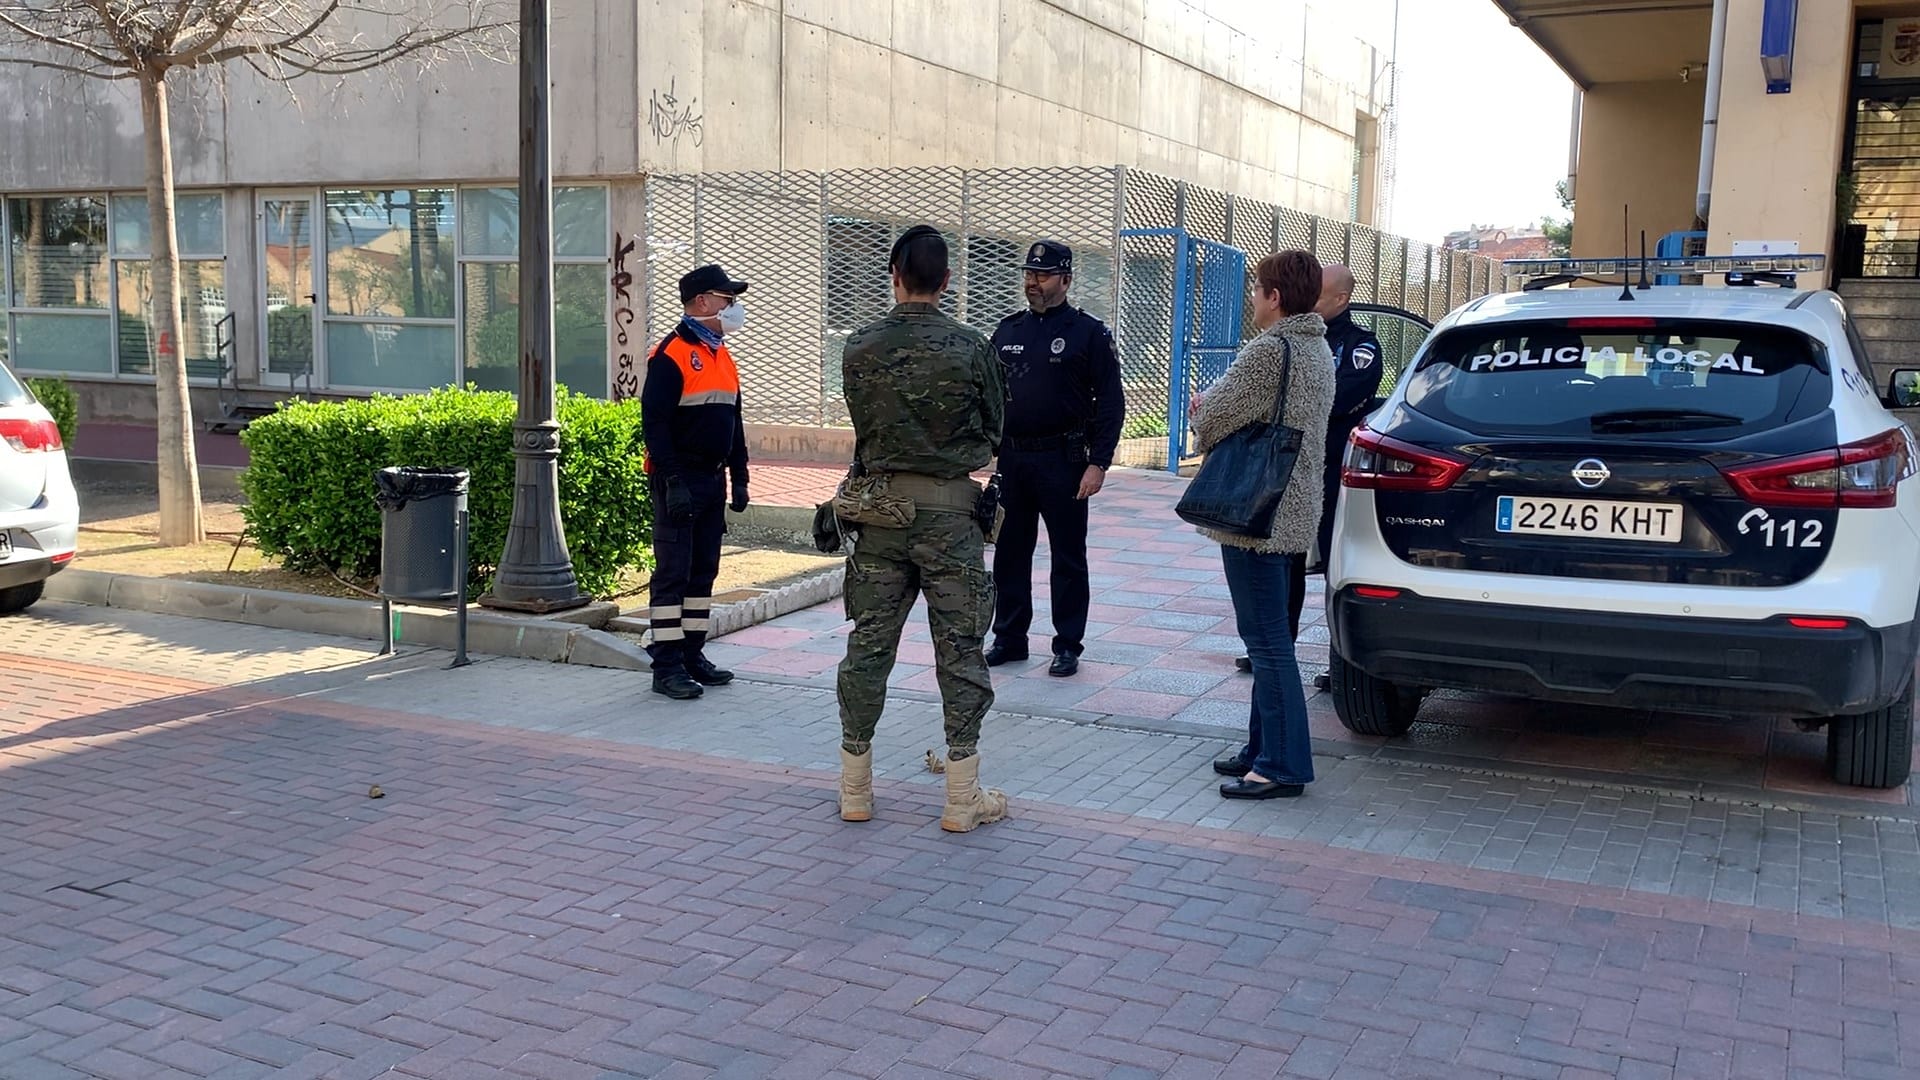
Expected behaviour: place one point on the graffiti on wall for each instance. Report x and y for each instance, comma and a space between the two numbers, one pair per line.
669, 120
626, 375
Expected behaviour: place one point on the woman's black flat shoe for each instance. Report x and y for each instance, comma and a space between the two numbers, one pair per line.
1261, 789
1235, 766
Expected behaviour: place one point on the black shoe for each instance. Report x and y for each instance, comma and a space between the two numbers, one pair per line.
1262, 789
1065, 664
1244, 664
1323, 681
1004, 654
706, 674
1235, 766
676, 685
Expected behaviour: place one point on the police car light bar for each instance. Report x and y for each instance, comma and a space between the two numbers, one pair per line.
1691, 264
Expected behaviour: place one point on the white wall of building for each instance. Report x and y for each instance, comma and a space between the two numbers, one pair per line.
1254, 96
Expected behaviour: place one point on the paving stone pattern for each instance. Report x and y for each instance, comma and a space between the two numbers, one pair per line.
198, 885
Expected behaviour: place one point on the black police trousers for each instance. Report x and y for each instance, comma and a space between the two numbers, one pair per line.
1038, 486
686, 560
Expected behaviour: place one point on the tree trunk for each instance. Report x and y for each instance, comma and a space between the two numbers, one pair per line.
179, 475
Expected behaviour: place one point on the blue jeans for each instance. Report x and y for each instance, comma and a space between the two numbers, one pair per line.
1280, 747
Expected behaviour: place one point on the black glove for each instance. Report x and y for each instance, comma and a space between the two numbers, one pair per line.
739, 502
676, 502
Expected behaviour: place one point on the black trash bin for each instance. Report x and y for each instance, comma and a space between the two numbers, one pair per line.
423, 541
420, 531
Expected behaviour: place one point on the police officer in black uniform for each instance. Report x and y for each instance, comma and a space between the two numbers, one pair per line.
1064, 411
1356, 389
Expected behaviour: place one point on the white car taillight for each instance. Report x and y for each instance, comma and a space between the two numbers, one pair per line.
30, 436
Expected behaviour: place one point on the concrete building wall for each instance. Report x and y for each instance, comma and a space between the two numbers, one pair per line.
1254, 96
1639, 154
1778, 154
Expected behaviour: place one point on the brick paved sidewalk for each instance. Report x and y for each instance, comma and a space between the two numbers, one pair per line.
1822, 862
198, 885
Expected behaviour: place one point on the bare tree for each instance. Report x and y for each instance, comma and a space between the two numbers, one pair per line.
145, 41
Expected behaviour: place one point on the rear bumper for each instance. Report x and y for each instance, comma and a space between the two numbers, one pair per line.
1626, 660
38, 537
18, 571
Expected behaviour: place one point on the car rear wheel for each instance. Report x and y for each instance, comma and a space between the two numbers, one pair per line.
20, 597
1370, 706
1875, 749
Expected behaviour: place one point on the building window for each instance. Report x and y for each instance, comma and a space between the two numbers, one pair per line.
58, 284
200, 242
490, 287
389, 321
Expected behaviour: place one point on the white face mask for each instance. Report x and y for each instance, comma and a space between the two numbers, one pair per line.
733, 317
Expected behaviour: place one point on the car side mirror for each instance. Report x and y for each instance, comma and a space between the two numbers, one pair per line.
1903, 389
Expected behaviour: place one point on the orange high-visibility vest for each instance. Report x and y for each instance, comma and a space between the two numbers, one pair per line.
707, 376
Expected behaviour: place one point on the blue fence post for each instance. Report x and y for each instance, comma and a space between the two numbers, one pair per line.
1177, 384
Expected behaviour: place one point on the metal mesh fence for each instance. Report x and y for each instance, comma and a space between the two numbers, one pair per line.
814, 245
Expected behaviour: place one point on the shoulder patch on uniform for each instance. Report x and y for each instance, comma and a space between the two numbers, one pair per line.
1364, 355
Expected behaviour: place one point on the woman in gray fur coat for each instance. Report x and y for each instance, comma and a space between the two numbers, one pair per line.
1277, 762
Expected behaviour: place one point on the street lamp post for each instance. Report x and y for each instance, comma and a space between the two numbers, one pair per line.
536, 572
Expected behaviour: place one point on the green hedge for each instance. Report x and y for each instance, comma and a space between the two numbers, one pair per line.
309, 483
58, 397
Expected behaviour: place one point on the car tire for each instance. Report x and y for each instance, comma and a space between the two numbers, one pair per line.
20, 597
1873, 750
1370, 706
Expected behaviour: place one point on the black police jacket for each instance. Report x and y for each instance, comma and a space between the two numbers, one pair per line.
1356, 375
1062, 378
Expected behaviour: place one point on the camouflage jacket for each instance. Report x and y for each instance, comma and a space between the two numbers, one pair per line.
925, 393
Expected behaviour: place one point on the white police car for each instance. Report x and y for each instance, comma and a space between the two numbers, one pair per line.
1693, 500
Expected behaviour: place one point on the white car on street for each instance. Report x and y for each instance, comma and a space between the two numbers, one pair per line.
1678, 499
39, 511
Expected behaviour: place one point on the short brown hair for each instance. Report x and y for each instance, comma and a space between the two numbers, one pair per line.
1296, 274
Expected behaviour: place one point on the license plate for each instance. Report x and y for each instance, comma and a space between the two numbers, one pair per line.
1590, 518
6, 544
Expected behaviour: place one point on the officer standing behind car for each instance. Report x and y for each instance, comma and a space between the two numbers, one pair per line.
695, 432
1064, 410
1356, 388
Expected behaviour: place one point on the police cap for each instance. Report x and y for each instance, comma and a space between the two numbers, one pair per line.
1049, 257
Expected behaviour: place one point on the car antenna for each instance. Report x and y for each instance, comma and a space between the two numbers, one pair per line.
1626, 254
1644, 285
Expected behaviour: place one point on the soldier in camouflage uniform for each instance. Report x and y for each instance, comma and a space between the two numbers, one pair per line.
927, 403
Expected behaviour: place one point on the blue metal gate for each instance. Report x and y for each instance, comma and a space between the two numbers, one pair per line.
1209, 314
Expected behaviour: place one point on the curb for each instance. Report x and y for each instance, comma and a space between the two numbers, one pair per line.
571, 637
730, 618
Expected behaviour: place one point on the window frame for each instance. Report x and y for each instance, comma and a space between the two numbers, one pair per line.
115, 258
107, 312
463, 258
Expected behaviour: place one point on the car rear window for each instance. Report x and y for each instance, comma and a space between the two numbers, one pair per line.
1620, 376
11, 392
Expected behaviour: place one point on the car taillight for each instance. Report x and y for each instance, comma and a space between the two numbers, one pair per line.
1808, 622
30, 436
1375, 592
1386, 464
1864, 474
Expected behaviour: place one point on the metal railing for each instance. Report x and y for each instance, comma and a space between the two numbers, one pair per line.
814, 247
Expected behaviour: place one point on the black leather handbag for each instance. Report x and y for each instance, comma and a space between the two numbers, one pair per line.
1240, 484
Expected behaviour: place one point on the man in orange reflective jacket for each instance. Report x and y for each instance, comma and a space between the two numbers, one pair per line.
696, 436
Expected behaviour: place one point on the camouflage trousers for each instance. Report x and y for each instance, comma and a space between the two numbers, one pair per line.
940, 554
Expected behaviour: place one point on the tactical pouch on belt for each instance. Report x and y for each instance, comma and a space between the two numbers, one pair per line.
988, 512
867, 500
